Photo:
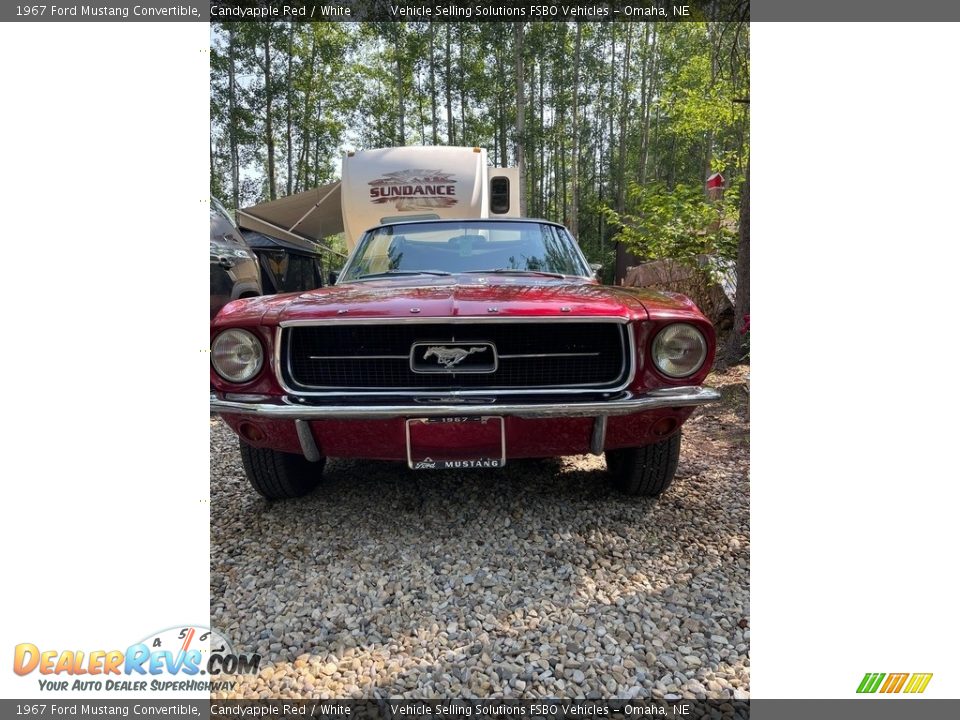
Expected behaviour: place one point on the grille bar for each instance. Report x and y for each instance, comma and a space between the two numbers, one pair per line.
358, 357
543, 356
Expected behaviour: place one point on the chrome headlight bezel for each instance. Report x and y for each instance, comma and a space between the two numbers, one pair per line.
682, 338
228, 346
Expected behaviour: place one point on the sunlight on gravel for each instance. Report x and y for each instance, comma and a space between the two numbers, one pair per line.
537, 580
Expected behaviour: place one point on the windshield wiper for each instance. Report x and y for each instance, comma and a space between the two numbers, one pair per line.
387, 273
511, 271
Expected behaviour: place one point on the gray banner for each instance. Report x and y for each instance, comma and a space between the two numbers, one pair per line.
853, 709
874, 708
468, 10
853, 11
379, 11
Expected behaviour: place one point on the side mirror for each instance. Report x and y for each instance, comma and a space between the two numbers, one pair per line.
332, 277
596, 267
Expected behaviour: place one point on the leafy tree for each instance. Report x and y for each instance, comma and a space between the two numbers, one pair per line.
678, 223
615, 126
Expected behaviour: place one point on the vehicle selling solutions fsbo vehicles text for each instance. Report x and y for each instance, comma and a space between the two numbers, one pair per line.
468, 12
534, 12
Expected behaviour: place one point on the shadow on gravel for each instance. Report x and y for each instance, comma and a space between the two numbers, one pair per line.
384, 501
535, 580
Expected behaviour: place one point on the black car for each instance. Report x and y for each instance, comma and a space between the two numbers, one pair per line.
234, 271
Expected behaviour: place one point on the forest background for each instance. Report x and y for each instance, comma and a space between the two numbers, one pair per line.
615, 126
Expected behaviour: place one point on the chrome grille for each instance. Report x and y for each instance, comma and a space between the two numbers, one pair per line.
540, 355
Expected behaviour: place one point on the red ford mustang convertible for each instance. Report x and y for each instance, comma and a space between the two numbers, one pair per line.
460, 344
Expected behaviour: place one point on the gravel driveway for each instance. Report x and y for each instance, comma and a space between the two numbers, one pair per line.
533, 581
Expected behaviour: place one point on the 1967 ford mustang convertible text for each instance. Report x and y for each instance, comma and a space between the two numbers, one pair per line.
460, 344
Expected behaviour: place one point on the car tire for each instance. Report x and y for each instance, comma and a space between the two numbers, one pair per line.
278, 475
647, 470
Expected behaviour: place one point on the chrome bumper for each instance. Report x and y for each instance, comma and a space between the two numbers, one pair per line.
626, 403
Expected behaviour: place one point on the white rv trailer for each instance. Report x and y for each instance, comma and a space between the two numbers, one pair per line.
389, 185
420, 183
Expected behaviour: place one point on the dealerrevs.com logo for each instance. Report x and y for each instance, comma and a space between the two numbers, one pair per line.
888, 683
182, 659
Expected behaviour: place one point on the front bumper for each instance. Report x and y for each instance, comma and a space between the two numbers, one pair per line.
532, 427
625, 403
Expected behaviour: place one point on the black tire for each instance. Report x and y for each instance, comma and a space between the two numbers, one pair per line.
646, 470
278, 475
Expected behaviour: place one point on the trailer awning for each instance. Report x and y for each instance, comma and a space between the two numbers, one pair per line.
308, 216
259, 240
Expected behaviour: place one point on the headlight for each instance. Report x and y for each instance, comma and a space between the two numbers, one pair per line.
679, 350
237, 355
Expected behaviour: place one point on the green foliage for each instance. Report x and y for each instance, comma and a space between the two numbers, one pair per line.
655, 114
679, 223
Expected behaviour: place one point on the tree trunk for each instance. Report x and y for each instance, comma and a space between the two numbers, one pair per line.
741, 306
624, 258
610, 136
398, 93
433, 88
622, 129
542, 197
290, 110
268, 92
521, 135
714, 61
533, 171
575, 155
649, 75
421, 114
502, 89
463, 85
303, 172
451, 131
316, 145
606, 140
234, 148
503, 132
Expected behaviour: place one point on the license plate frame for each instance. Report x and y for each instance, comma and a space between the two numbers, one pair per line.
492, 426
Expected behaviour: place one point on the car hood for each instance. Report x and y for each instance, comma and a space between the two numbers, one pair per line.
465, 296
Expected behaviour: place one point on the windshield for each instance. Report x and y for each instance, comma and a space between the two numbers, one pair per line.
466, 246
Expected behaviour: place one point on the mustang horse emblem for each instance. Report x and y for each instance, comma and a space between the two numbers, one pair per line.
450, 357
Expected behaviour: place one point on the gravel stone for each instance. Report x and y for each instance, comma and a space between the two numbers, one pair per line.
534, 581
668, 661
